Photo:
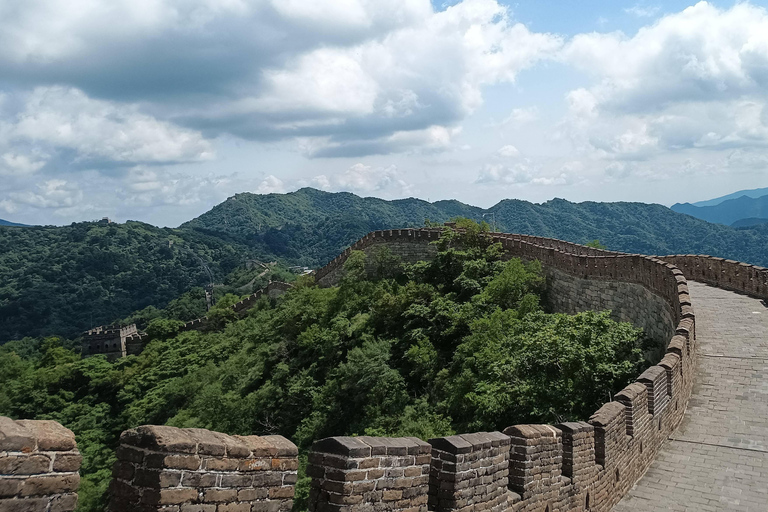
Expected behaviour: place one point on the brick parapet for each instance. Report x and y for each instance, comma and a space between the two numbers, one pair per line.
161, 468
39, 464
376, 474
471, 471
722, 273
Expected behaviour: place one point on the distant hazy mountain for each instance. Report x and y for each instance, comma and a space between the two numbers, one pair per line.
754, 193
750, 222
729, 211
9, 223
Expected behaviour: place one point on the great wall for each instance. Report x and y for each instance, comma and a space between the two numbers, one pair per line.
577, 466
115, 341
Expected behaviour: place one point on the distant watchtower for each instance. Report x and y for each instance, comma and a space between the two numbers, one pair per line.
113, 340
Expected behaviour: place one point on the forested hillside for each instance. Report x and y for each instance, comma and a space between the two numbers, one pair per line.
458, 344
63, 280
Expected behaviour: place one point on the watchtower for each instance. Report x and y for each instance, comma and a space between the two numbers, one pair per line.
113, 340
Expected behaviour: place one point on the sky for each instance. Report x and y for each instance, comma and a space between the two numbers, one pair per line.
156, 110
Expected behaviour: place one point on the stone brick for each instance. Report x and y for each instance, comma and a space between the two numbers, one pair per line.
219, 495
24, 464
24, 505
64, 503
67, 462
14, 437
169, 496
50, 435
38, 485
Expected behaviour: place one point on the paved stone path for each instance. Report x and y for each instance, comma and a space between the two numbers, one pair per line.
718, 457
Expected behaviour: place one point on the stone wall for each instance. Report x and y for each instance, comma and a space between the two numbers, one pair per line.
726, 274
628, 302
376, 474
574, 466
39, 465
168, 469
273, 290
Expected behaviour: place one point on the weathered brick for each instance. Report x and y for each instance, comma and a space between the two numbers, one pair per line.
24, 464
40, 485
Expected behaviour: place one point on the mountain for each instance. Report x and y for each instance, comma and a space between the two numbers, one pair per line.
310, 227
753, 193
12, 224
63, 280
729, 211
748, 222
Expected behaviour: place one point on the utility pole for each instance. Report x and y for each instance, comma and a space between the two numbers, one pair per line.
493, 220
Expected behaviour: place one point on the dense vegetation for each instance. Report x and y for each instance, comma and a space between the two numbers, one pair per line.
453, 345
62, 280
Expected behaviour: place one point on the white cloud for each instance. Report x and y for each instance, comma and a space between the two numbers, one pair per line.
643, 11
508, 151
527, 172
50, 194
8, 206
522, 116
12, 164
155, 186
697, 79
58, 117
270, 185
366, 179
352, 74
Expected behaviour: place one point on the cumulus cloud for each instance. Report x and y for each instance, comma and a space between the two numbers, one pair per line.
355, 76
13, 164
271, 184
527, 172
508, 151
58, 118
693, 80
49, 194
365, 179
153, 186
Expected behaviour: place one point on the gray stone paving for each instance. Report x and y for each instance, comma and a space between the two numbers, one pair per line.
718, 457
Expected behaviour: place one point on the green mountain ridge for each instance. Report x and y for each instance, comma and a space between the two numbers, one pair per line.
63, 280
320, 224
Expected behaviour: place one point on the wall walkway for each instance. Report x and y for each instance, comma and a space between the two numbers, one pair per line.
718, 457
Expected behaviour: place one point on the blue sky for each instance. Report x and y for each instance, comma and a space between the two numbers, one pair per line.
156, 110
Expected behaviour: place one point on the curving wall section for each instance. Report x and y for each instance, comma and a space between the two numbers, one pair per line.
573, 466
